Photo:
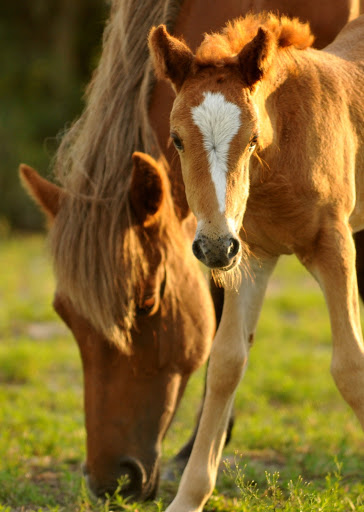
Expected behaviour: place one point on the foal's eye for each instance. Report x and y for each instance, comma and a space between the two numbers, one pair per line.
177, 142
253, 142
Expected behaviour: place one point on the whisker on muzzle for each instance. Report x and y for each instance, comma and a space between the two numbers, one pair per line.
231, 279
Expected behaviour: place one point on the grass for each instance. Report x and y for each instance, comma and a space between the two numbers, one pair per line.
296, 445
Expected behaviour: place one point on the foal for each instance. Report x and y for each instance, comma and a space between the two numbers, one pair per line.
270, 137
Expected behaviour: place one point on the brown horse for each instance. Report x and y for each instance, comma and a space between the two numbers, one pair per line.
171, 338
127, 285
270, 134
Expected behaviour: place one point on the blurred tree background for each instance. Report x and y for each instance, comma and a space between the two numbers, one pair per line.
48, 52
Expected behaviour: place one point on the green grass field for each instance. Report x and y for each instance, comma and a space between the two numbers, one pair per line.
296, 445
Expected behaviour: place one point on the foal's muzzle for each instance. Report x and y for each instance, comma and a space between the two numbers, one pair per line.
220, 253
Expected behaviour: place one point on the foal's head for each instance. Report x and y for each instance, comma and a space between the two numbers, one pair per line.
216, 123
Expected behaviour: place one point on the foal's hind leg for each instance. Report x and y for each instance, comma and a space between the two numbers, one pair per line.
333, 265
227, 364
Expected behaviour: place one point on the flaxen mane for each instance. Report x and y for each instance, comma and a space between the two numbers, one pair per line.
218, 47
96, 267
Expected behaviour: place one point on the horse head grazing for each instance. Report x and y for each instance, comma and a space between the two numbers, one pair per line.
133, 385
127, 283
216, 121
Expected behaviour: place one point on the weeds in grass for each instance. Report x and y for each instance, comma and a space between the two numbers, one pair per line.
286, 407
297, 496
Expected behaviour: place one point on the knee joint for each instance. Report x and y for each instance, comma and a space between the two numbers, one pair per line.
226, 372
349, 378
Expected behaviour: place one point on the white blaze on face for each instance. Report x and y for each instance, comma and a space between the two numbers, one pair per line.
218, 121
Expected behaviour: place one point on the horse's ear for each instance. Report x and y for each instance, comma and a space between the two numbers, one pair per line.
47, 195
171, 57
256, 57
147, 189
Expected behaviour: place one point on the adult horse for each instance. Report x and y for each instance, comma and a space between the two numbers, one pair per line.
270, 134
126, 284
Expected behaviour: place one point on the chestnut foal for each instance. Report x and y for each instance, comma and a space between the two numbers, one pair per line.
270, 136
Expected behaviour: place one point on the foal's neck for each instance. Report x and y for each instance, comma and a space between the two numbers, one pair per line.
301, 86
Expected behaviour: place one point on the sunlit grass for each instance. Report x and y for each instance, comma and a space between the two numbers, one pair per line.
296, 444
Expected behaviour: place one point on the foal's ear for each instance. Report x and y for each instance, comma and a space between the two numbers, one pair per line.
147, 189
256, 57
47, 195
171, 57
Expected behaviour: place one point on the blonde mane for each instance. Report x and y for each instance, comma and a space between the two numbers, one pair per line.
229, 42
97, 252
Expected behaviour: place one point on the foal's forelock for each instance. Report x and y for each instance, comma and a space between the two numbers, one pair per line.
219, 121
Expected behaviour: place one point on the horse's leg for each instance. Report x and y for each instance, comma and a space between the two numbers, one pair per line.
333, 265
359, 245
181, 458
228, 360
217, 294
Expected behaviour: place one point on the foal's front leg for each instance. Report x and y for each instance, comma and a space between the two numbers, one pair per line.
333, 265
227, 363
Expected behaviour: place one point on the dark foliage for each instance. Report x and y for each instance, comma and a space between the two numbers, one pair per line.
48, 52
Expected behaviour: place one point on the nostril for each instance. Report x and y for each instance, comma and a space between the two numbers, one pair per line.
135, 474
234, 247
197, 250
128, 476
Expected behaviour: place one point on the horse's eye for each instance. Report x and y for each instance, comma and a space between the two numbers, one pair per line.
146, 306
253, 142
177, 142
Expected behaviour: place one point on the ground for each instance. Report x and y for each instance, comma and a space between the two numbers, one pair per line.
296, 445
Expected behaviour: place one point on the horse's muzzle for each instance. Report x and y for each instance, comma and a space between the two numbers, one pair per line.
131, 476
220, 253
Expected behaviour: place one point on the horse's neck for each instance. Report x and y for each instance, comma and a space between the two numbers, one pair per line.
298, 95
309, 113
349, 44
